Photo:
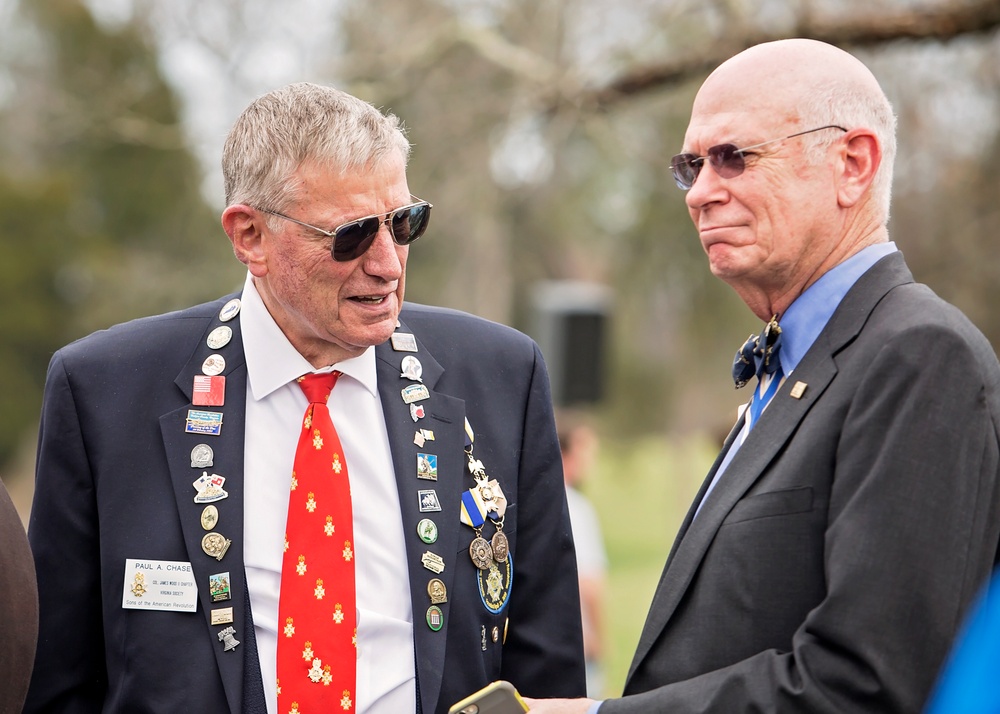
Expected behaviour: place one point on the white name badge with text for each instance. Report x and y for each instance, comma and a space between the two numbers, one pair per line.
159, 585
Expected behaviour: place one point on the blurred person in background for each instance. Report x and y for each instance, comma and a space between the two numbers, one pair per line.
854, 511
578, 443
306, 496
18, 608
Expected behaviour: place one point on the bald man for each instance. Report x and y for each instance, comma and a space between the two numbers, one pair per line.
853, 511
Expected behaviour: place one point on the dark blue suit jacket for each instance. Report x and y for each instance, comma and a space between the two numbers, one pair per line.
114, 481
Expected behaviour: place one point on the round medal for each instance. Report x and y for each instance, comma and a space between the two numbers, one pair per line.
435, 618
230, 310
214, 364
220, 337
427, 530
209, 517
481, 553
202, 456
215, 545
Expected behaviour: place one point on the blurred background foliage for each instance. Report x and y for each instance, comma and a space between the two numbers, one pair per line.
542, 133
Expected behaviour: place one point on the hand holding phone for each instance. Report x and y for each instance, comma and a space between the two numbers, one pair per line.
495, 698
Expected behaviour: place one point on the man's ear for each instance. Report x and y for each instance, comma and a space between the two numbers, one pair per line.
861, 156
243, 225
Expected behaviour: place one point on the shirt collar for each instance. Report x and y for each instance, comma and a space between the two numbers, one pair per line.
273, 362
807, 316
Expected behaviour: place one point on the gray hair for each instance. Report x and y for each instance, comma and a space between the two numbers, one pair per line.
849, 105
302, 122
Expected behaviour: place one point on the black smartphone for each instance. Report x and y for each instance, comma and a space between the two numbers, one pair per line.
495, 698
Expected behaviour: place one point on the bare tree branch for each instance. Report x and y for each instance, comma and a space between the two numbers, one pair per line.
943, 24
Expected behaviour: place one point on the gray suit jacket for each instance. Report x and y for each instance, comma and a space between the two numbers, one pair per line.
114, 481
830, 567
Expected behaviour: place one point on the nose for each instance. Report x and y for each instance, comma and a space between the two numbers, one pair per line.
384, 259
708, 187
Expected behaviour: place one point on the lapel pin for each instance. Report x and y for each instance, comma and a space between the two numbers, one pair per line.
403, 342
230, 310
798, 389
208, 391
427, 467
415, 393
214, 364
228, 637
412, 369
202, 456
202, 422
218, 587
219, 337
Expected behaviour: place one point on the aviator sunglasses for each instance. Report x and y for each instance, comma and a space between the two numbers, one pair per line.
352, 239
728, 160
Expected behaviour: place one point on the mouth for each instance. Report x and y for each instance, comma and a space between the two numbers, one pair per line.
369, 299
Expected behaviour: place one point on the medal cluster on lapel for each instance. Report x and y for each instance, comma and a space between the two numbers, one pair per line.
484, 502
425, 465
209, 390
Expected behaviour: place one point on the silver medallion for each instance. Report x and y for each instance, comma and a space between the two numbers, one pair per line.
219, 337
202, 456
230, 310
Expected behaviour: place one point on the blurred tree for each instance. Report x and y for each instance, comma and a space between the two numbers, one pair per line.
100, 210
540, 169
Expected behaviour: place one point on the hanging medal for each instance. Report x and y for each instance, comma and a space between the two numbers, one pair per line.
485, 499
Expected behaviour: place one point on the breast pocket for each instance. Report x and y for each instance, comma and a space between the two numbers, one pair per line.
771, 503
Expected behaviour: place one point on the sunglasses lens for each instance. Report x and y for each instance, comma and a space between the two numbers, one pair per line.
408, 224
353, 239
685, 168
727, 160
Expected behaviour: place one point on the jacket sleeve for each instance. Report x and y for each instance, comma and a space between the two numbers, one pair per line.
69, 673
543, 654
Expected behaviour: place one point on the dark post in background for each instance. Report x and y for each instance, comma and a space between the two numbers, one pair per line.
570, 325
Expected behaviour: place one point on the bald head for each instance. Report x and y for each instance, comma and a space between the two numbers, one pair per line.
786, 70
801, 84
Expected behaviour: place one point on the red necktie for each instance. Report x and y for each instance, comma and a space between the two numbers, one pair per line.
317, 647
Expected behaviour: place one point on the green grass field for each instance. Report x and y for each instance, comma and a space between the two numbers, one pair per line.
641, 491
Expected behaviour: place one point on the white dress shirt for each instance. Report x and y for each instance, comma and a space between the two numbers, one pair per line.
386, 681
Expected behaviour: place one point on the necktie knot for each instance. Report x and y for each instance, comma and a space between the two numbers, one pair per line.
317, 386
759, 354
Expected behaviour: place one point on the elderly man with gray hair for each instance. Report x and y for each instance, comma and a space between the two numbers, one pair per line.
308, 496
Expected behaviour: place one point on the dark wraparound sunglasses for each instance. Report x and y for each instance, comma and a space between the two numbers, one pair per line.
726, 159
352, 239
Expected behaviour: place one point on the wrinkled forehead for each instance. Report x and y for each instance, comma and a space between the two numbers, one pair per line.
739, 109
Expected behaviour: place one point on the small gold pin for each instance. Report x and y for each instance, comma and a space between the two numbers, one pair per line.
798, 389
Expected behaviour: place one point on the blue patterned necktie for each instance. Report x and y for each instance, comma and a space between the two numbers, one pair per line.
760, 357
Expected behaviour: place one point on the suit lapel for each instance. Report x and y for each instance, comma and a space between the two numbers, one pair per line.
444, 415
816, 370
227, 461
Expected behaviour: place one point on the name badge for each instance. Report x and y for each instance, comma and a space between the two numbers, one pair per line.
159, 585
